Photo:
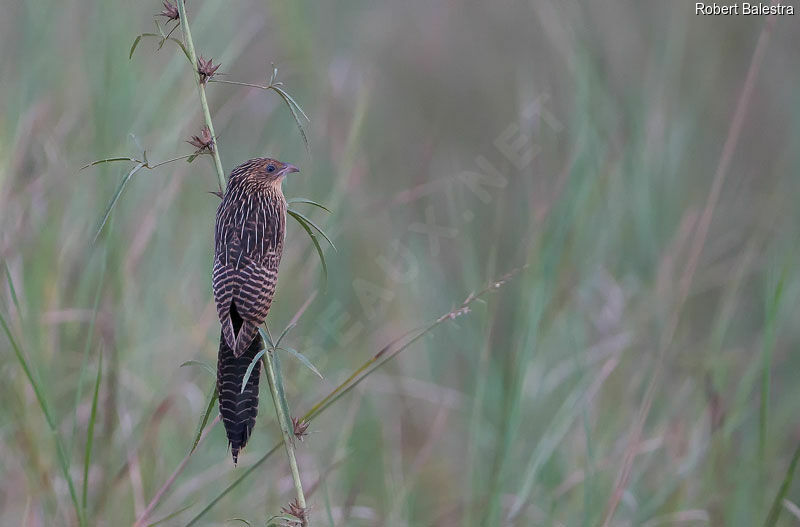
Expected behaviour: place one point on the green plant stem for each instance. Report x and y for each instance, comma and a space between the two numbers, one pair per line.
202, 90
276, 387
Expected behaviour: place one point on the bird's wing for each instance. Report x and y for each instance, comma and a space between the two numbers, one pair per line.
247, 255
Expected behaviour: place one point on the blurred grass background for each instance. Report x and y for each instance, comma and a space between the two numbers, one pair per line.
614, 114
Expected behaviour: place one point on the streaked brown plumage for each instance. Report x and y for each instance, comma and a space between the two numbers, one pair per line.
248, 243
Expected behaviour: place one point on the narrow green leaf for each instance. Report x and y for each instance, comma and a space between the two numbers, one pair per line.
302, 358
309, 202
133, 47
136, 42
108, 160
317, 227
183, 48
116, 197
296, 118
285, 331
87, 457
293, 103
239, 520
250, 368
203, 420
163, 38
266, 335
314, 240
158, 27
206, 366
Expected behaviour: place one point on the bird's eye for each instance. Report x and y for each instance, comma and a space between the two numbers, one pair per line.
270, 168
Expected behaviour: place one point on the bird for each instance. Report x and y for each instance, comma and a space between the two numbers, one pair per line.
248, 244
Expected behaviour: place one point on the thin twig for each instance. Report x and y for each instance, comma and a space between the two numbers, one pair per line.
145, 164
274, 86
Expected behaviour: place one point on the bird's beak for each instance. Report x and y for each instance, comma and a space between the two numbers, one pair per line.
291, 168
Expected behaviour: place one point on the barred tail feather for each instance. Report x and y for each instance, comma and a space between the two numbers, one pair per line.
238, 409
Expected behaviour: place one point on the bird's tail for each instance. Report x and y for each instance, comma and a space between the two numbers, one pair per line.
238, 408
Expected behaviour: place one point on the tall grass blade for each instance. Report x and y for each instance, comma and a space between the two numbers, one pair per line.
13, 291
117, 194
772, 310
85, 358
775, 510
87, 457
37, 390
555, 433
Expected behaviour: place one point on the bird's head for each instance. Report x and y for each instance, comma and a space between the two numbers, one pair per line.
273, 170
264, 171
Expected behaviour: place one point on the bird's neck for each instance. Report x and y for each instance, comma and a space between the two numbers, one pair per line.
247, 185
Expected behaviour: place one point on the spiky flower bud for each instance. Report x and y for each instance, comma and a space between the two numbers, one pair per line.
300, 428
170, 11
206, 69
203, 142
296, 511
